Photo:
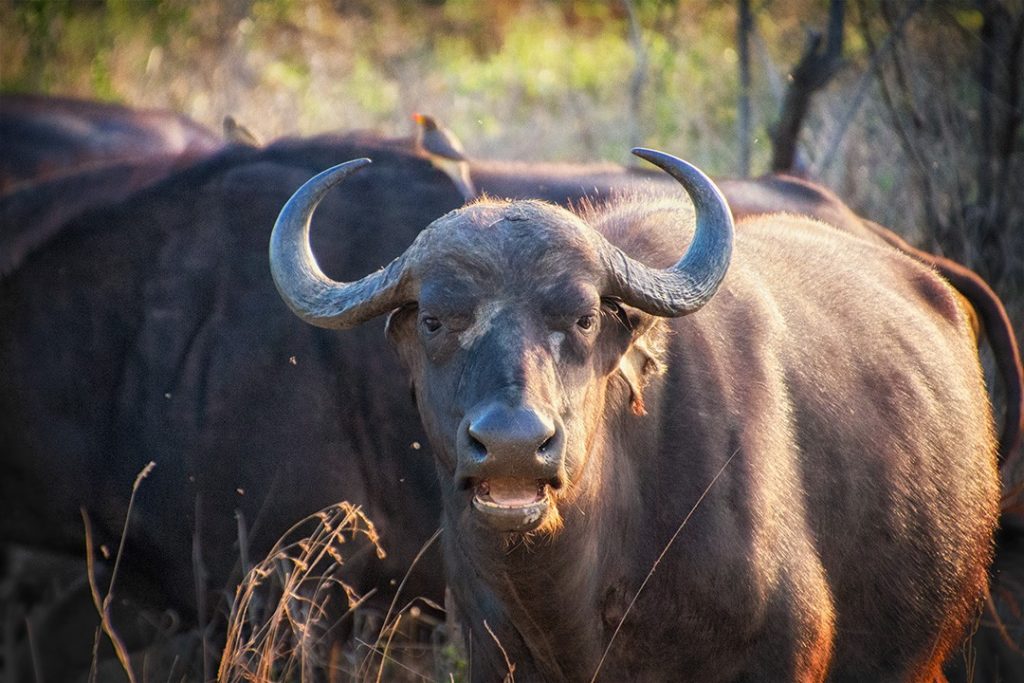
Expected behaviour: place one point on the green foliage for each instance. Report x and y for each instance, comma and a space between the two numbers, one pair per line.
453, 663
371, 89
274, 11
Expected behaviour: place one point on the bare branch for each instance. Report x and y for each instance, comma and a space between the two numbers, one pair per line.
898, 118
744, 26
866, 79
639, 76
820, 61
102, 604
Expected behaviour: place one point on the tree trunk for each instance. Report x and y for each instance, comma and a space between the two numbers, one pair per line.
818, 64
743, 29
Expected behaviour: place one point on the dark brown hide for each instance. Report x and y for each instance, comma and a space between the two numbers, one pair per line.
780, 193
43, 137
33, 213
64, 157
148, 329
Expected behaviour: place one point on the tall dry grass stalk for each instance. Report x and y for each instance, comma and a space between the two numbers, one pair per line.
280, 628
103, 604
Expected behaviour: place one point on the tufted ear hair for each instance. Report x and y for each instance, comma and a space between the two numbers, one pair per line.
642, 359
396, 318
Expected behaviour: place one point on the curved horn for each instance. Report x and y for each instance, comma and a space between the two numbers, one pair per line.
691, 282
313, 296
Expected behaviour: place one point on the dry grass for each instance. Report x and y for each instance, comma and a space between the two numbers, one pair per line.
279, 627
295, 618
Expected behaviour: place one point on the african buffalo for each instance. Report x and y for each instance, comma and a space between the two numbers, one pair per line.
806, 457
46, 136
136, 325
124, 295
147, 329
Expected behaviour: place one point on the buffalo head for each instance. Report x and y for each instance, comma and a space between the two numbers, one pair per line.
511, 317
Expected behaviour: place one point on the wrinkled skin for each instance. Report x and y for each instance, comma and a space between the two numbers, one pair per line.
484, 312
849, 532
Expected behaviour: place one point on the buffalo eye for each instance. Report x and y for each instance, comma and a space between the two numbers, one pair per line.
430, 323
586, 322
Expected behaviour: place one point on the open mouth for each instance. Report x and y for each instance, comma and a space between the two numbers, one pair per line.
511, 504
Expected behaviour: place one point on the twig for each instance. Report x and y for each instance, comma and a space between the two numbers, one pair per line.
33, 653
817, 65
174, 665
862, 86
386, 625
102, 605
124, 530
910, 148
387, 647
999, 625
94, 664
744, 26
376, 650
639, 76
664, 551
398, 591
256, 652
511, 677
243, 542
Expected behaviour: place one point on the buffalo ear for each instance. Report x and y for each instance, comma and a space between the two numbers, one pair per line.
396, 324
641, 361
400, 328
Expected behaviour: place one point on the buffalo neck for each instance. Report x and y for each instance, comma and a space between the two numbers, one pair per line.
552, 601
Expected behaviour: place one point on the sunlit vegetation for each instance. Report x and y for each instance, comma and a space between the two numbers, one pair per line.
527, 80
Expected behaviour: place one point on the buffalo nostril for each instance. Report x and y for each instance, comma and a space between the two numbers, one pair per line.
476, 446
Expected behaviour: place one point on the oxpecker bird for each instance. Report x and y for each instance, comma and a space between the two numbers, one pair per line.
444, 151
240, 134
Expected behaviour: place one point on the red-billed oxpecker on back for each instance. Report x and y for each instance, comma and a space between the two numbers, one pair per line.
444, 149
791, 426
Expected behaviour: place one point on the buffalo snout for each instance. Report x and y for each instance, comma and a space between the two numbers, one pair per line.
511, 457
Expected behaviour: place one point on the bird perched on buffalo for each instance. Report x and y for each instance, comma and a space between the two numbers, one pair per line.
445, 151
240, 134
